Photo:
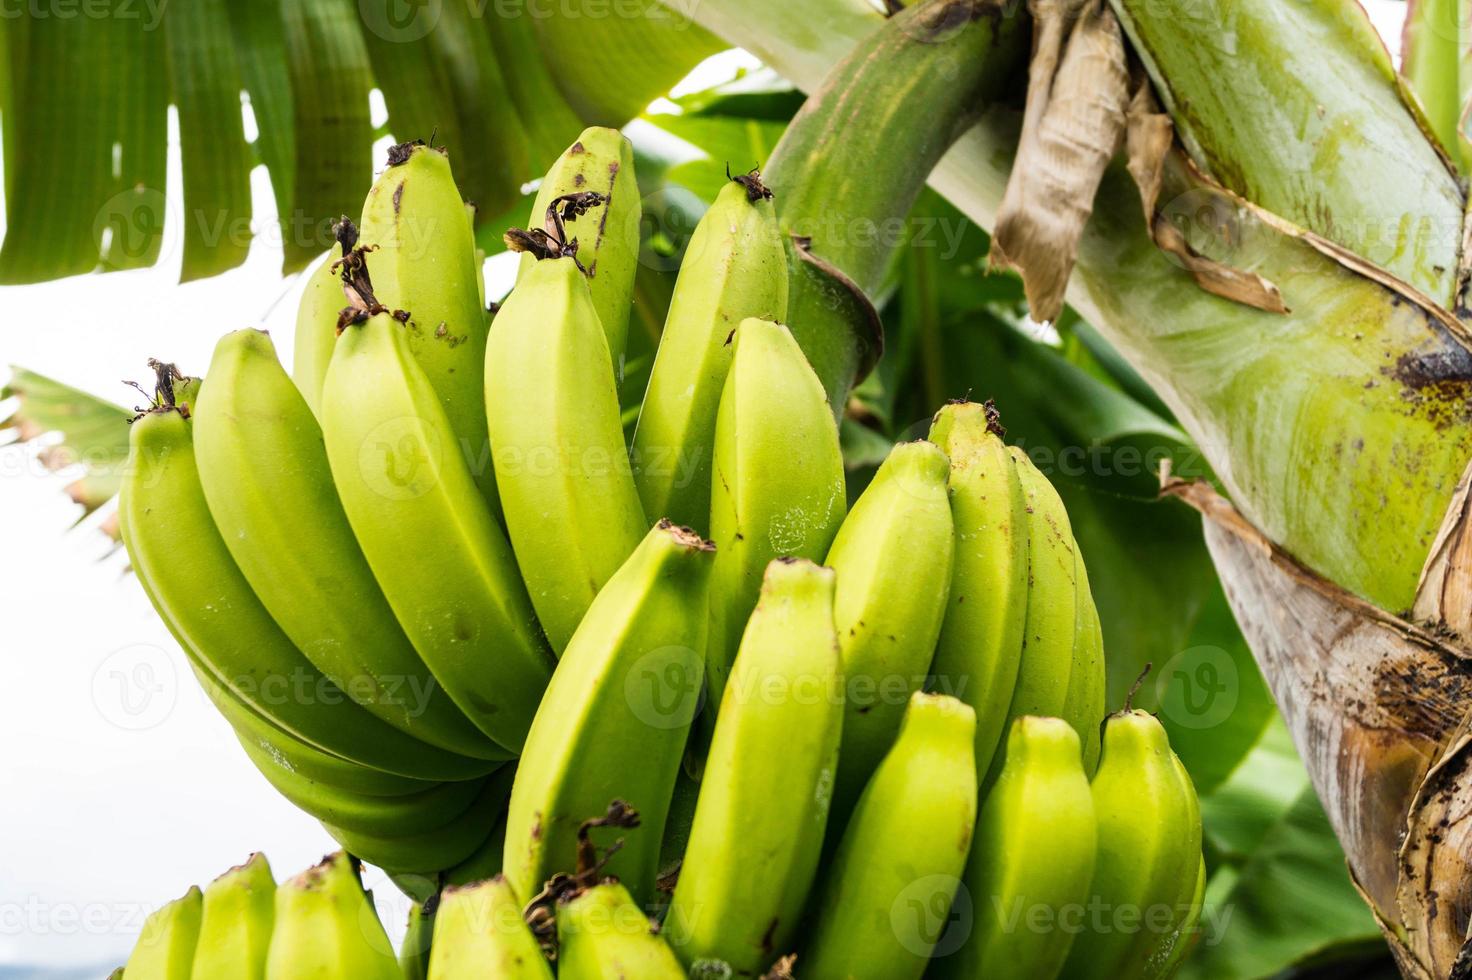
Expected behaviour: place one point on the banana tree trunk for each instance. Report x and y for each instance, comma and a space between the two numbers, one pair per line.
1339, 428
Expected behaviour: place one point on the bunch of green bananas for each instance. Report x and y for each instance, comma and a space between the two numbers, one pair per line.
431, 553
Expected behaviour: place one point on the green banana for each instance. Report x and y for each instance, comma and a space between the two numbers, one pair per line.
471, 210
571, 506
263, 467
601, 160
420, 253
238, 911
778, 485
734, 268
479, 932
434, 848
1084, 703
415, 949
603, 934
165, 947
1185, 939
1050, 654
980, 645
188, 573
326, 927
316, 318
268, 747
892, 558
890, 886
434, 547
1149, 831
1031, 859
614, 719
767, 782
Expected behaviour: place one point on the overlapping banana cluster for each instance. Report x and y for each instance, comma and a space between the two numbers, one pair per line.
863, 738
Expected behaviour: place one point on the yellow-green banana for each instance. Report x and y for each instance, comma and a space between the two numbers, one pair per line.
601, 160
1186, 938
438, 554
613, 722
1084, 704
165, 947
892, 558
435, 848
263, 467
980, 641
734, 268
1149, 853
571, 507
763, 804
1031, 860
316, 318
479, 932
326, 927
238, 911
602, 934
421, 258
888, 892
185, 568
414, 948
777, 485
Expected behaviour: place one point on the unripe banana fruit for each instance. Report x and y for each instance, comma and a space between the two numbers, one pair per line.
421, 258
1149, 853
439, 556
165, 948
479, 932
1031, 861
316, 323
734, 267
980, 643
602, 935
238, 914
601, 160
778, 485
768, 780
571, 506
326, 927
892, 558
903, 852
612, 725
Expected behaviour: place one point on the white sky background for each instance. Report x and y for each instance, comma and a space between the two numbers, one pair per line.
119, 784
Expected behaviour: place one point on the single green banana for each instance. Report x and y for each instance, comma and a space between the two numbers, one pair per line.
734, 268
1050, 631
980, 643
367, 813
433, 849
471, 210
778, 487
326, 927
479, 932
613, 722
601, 160
165, 947
415, 949
238, 912
889, 889
1084, 704
763, 805
603, 934
893, 558
1031, 860
263, 467
1149, 830
435, 549
316, 318
571, 506
421, 258
267, 746
185, 568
